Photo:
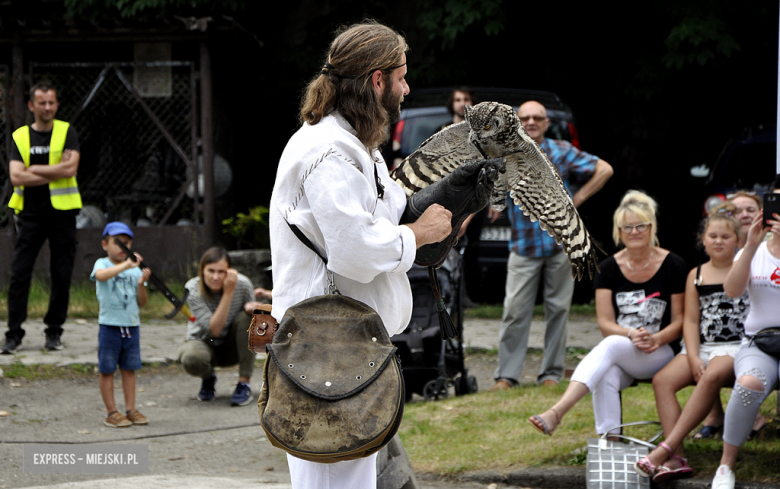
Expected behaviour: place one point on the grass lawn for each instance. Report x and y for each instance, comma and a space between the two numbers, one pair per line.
83, 301
489, 431
580, 312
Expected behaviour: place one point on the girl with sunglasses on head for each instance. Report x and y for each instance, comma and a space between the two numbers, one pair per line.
639, 307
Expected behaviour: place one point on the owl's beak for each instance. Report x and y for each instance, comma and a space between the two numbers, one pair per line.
475, 142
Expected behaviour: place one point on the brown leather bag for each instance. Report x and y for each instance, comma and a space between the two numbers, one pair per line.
332, 385
262, 329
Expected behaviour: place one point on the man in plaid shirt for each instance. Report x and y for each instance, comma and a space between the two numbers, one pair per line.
534, 254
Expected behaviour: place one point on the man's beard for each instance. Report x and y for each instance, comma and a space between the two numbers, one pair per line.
392, 105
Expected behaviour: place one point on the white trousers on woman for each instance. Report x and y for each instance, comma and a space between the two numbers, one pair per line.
352, 474
612, 366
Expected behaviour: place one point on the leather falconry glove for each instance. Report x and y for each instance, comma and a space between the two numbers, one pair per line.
465, 191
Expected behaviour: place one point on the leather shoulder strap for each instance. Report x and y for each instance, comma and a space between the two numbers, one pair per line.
299, 234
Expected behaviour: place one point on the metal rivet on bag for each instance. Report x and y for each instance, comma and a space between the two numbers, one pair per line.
358, 377
373, 339
289, 335
370, 364
303, 377
291, 365
327, 384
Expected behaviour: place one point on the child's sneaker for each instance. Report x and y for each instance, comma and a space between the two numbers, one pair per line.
136, 418
117, 420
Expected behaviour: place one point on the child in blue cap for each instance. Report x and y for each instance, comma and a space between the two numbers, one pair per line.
120, 294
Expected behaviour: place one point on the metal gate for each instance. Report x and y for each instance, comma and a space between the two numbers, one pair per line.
137, 129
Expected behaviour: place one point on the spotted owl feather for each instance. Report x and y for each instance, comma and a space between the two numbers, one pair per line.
493, 130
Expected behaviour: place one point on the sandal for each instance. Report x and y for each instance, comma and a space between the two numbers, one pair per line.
755, 433
664, 473
539, 423
707, 432
645, 468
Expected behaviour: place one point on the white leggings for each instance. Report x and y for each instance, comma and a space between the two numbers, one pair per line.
612, 366
744, 403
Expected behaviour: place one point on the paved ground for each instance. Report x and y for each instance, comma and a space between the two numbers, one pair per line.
160, 339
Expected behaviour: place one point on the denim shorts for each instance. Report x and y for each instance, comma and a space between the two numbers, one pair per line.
708, 351
119, 346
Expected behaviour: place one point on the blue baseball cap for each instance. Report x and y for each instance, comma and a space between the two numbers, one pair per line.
115, 228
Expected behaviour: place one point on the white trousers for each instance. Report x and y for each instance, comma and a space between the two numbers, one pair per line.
352, 474
612, 366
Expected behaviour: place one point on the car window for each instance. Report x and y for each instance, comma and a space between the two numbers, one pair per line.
418, 129
558, 130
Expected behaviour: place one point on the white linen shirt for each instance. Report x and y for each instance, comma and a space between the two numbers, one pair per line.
325, 185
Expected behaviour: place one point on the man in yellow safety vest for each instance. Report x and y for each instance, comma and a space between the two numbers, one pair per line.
44, 160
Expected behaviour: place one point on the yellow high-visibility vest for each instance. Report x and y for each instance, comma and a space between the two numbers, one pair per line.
65, 191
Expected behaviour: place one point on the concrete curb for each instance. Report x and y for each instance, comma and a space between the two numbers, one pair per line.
571, 478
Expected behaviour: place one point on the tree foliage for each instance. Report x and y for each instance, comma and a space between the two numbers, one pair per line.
448, 19
144, 8
249, 229
700, 37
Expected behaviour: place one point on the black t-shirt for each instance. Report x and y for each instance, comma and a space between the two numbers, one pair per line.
645, 304
37, 200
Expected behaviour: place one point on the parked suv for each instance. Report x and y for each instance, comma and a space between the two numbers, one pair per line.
424, 113
747, 162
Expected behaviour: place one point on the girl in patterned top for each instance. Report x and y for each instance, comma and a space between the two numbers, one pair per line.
713, 328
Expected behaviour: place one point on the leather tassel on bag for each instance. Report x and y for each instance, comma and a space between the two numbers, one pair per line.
446, 326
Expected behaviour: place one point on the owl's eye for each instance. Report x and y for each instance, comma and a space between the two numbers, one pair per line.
486, 127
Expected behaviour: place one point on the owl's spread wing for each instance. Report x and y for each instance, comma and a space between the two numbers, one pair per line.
536, 187
436, 158
531, 179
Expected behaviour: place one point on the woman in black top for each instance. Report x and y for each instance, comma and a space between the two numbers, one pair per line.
639, 306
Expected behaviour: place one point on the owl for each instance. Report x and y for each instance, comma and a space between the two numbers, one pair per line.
493, 130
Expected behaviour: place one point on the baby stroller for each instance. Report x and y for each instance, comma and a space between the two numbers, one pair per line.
431, 365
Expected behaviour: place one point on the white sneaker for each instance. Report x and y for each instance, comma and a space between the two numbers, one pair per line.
724, 478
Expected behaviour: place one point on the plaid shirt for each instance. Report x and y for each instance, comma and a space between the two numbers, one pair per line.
575, 168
